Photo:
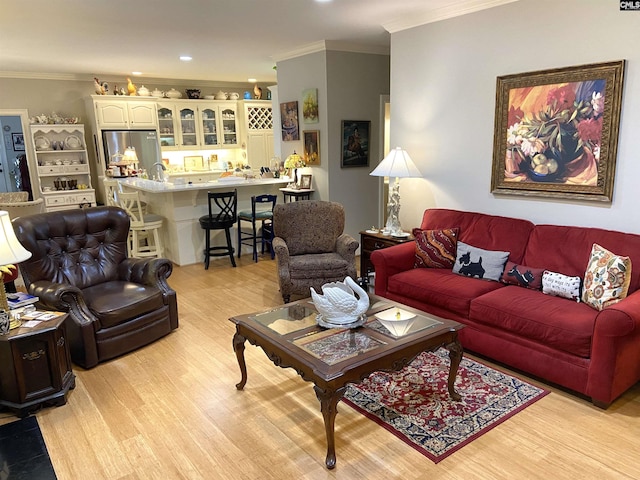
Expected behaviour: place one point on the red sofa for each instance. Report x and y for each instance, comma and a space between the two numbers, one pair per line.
595, 353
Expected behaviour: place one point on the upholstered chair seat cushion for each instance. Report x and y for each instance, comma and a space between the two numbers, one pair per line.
116, 302
319, 265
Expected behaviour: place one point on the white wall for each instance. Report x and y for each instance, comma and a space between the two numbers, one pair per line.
443, 86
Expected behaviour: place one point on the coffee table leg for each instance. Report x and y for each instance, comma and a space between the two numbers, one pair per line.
329, 407
455, 355
238, 346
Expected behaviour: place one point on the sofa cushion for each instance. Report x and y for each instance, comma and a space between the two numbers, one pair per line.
550, 321
567, 249
440, 287
607, 278
522, 276
477, 262
490, 232
435, 248
560, 285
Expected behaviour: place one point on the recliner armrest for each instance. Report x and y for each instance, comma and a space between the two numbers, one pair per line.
346, 245
147, 271
62, 297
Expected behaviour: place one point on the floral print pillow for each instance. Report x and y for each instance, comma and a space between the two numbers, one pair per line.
607, 278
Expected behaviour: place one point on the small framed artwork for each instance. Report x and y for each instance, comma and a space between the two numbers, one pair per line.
305, 181
355, 143
310, 105
195, 163
556, 132
18, 142
289, 120
311, 147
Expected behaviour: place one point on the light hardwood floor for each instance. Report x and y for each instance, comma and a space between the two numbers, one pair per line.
171, 411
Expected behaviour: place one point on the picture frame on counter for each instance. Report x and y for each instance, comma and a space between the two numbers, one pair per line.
305, 181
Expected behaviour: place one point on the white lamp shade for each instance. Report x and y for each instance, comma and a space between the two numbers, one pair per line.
11, 250
397, 164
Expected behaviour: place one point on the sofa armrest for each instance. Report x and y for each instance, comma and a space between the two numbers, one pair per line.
346, 246
389, 261
619, 319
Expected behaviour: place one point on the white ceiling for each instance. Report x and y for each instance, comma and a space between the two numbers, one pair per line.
230, 41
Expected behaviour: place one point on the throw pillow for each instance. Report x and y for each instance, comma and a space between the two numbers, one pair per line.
476, 262
560, 285
607, 278
522, 276
435, 248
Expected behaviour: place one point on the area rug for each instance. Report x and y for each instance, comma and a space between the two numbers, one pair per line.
414, 403
23, 453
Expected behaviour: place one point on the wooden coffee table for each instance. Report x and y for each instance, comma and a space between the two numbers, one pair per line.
333, 358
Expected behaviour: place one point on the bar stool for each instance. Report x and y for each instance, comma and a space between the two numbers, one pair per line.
223, 213
144, 232
111, 188
261, 211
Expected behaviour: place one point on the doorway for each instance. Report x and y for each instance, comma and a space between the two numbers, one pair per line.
15, 151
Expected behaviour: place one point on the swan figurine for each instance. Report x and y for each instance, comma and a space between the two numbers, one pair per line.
338, 304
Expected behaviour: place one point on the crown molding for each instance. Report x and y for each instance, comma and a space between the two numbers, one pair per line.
443, 13
42, 76
324, 45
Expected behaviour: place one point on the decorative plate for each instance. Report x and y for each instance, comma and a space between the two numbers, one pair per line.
72, 143
42, 143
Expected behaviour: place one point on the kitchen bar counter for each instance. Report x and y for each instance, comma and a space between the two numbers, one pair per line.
182, 204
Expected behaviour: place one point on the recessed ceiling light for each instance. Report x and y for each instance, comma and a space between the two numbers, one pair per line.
136, 73
251, 80
185, 58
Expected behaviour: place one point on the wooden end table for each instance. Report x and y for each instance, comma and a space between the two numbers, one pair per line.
35, 367
371, 241
295, 194
333, 358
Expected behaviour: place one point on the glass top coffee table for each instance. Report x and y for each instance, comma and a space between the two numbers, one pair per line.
333, 358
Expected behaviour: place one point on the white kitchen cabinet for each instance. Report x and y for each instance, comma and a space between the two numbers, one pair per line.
123, 113
193, 124
64, 179
258, 128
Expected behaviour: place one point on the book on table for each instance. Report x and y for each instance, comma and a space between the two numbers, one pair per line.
20, 299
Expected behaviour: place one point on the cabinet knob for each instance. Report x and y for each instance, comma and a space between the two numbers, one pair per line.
60, 342
378, 245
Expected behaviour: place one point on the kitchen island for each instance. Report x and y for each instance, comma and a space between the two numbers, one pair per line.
182, 203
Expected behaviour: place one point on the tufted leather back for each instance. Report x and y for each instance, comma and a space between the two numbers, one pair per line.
81, 247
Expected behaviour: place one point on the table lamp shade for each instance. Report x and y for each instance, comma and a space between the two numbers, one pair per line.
11, 250
397, 164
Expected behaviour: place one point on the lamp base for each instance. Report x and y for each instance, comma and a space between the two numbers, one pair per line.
393, 210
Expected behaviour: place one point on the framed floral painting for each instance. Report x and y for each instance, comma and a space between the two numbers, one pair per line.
556, 132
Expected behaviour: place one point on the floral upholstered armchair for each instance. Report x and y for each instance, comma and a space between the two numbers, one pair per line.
311, 248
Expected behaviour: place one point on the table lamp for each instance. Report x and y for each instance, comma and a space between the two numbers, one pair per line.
11, 252
396, 164
292, 163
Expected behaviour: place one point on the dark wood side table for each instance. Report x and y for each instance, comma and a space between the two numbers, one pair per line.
292, 194
35, 367
370, 241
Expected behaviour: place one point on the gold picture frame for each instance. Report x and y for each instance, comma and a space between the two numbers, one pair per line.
556, 132
311, 147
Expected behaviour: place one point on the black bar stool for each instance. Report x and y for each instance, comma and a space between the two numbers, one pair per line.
223, 208
261, 211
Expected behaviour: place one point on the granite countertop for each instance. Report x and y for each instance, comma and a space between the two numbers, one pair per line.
152, 186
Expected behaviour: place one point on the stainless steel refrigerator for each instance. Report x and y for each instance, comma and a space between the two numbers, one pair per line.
144, 141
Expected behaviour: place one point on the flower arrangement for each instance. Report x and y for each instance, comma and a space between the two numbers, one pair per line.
559, 136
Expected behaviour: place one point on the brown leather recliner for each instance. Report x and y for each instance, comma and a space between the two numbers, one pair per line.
80, 265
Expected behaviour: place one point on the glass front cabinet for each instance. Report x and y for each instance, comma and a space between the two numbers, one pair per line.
194, 125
